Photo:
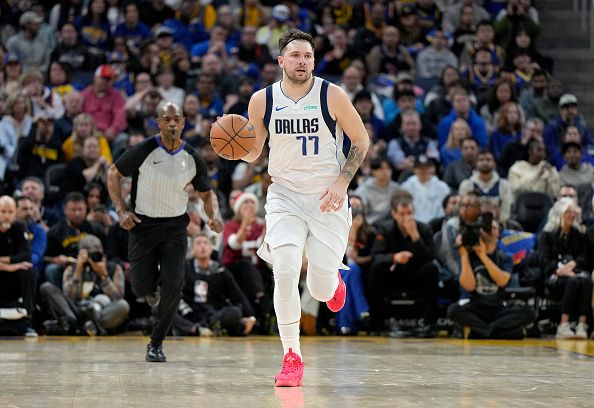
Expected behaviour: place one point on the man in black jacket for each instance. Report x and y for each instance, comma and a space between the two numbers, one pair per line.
211, 297
403, 259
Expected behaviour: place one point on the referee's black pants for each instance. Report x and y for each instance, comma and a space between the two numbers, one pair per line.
157, 251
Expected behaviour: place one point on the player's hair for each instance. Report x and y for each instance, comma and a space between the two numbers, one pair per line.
293, 35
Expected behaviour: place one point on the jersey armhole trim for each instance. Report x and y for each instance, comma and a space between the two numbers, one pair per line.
268, 110
331, 123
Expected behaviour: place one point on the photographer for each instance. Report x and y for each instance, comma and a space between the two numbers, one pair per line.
403, 259
93, 292
564, 248
484, 276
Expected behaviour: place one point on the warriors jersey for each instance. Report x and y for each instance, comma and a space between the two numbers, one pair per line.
305, 142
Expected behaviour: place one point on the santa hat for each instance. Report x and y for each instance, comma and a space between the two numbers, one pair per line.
241, 198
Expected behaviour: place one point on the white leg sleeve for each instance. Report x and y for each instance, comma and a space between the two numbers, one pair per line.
322, 283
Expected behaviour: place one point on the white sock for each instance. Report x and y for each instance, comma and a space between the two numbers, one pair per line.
289, 334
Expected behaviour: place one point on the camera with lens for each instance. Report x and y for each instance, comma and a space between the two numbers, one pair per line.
96, 256
471, 232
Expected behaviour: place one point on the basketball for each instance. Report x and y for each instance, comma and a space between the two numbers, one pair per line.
232, 137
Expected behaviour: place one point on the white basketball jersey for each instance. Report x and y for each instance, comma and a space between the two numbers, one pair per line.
305, 142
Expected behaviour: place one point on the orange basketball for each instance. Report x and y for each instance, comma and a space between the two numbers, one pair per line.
232, 137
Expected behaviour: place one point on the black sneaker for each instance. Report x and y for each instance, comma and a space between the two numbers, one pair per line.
154, 353
154, 299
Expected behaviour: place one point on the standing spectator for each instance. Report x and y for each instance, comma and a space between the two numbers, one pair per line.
486, 271
403, 259
461, 109
461, 169
515, 151
26, 212
93, 28
105, 104
63, 237
211, 297
451, 18
132, 29
377, 190
84, 127
569, 115
575, 171
535, 173
17, 277
563, 249
428, 191
390, 56
509, 128
39, 150
490, 187
15, 124
32, 48
70, 51
432, 60
451, 150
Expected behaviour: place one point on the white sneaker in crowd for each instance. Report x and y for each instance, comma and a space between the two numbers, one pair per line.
564, 331
581, 331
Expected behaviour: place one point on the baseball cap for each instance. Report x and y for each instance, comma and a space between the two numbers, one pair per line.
105, 71
567, 99
8, 58
403, 76
281, 13
30, 17
423, 160
163, 31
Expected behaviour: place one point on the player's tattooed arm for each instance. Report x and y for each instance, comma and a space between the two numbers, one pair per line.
353, 162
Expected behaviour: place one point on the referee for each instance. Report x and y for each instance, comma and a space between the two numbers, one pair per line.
161, 167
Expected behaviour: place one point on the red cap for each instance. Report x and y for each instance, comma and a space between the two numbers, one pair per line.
105, 71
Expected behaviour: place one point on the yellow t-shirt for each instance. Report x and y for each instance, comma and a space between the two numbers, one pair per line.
68, 148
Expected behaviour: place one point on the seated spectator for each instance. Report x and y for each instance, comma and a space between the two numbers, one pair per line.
370, 34
576, 170
93, 292
547, 108
192, 116
403, 95
47, 215
469, 212
390, 56
433, 59
572, 135
17, 276
77, 56
246, 173
165, 80
83, 128
12, 73
270, 33
132, 28
563, 249
486, 271
260, 190
73, 103
377, 190
402, 260
59, 79
43, 100
516, 19
211, 298
537, 90
534, 173
461, 109
97, 206
428, 191
64, 236
461, 169
220, 177
568, 116
508, 130
90, 166
155, 12
521, 70
482, 74
405, 101
488, 185
242, 236
516, 150
104, 103
340, 56
248, 51
451, 150
465, 35
211, 103
94, 28
27, 212
451, 18
144, 116
437, 102
39, 150
498, 95
30, 44
412, 33
404, 149
360, 242
123, 79
450, 206
363, 104
429, 14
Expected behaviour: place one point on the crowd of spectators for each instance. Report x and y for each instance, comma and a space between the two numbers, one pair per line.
466, 123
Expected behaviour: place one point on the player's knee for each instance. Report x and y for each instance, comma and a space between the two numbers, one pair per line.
286, 266
321, 283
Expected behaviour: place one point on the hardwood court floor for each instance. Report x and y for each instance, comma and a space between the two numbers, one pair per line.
339, 372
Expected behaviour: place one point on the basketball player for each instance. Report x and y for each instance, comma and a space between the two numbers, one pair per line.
306, 119
161, 167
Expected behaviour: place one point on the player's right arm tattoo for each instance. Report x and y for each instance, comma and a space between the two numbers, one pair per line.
353, 162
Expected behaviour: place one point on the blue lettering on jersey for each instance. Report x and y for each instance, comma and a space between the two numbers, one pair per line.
296, 126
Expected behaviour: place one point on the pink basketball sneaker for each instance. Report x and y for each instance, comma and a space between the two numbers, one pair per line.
337, 302
291, 375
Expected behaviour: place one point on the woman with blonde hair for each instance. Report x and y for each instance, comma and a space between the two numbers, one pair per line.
15, 124
509, 128
563, 248
450, 151
84, 127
